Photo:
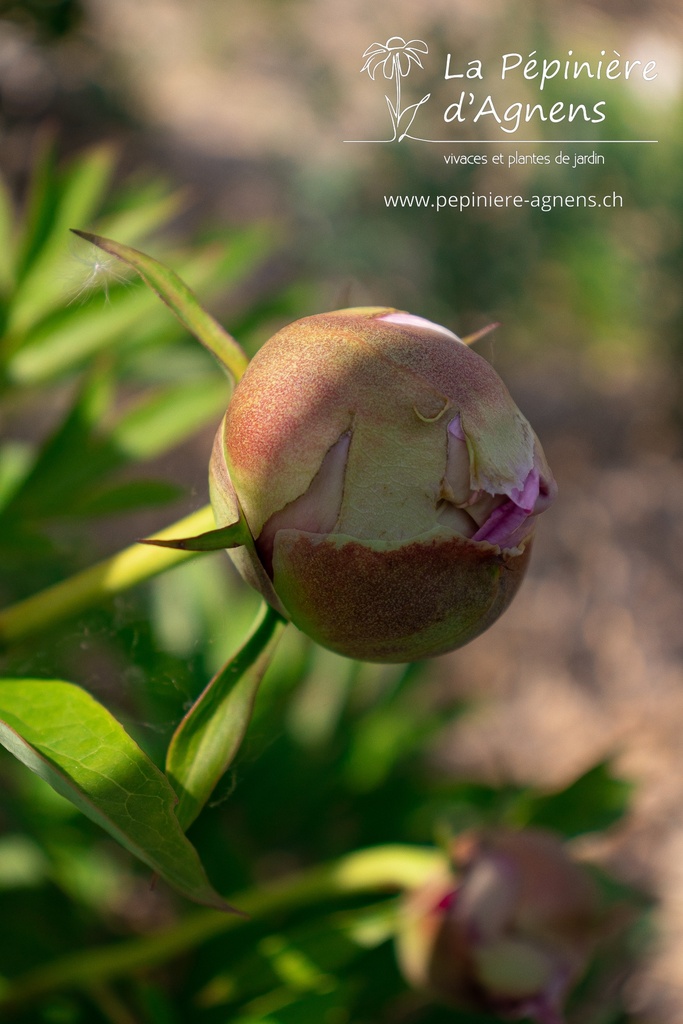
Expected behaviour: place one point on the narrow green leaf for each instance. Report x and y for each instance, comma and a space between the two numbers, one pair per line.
16, 459
41, 199
82, 326
7, 241
78, 197
77, 333
592, 803
126, 497
71, 461
146, 210
210, 734
182, 302
72, 474
63, 735
168, 416
22, 549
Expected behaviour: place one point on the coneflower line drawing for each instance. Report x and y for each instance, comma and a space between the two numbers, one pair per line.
396, 58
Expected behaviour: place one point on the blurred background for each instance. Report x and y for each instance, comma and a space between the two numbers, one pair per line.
214, 133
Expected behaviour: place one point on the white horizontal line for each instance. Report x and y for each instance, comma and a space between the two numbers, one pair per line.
519, 142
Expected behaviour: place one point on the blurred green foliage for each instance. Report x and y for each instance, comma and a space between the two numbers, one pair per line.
86, 394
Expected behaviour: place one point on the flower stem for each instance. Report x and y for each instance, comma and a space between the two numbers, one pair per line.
99, 582
397, 69
376, 869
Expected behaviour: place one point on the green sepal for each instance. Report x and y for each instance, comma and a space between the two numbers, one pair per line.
182, 302
232, 536
207, 739
470, 339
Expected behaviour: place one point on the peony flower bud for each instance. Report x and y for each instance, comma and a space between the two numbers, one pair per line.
509, 931
388, 481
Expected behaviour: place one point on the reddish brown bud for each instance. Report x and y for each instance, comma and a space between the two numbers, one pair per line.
509, 930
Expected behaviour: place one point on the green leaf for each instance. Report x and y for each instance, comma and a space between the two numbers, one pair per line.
73, 473
131, 319
71, 461
210, 734
78, 197
76, 332
63, 735
593, 802
146, 211
126, 497
16, 459
7, 241
182, 302
168, 416
40, 203
66, 340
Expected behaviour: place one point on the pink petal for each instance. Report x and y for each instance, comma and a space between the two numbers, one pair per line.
503, 526
409, 320
455, 428
527, 495
317, 509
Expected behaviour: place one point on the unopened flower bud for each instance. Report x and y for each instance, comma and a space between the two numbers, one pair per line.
388, 481
509, 930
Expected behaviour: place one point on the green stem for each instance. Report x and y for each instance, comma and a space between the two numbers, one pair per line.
99, 582
110, 1006
373, 870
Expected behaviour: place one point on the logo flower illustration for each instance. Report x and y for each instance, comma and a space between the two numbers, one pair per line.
396, 58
